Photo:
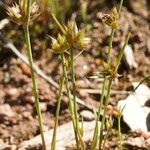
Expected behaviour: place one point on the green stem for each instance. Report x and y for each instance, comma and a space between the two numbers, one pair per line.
119, 132
96, 133
53, 144
122, 51
104, 114
59, 25
110, 45
120, 6
54, 6
28, 11
74, 91
34, 84
69, 97
74, 99
105, 140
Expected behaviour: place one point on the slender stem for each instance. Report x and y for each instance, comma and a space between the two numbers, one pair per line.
120, 6
96, 133
74, 91
34, 84
122, 51
54, 6
28, 11
74, 99
104, 114
119, 132
105, 140
53, 144
69, 97
110, 45
58, 24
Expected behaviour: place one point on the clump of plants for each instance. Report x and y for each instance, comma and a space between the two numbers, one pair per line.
69, 40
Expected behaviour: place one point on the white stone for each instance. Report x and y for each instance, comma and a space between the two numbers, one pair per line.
129, 57
134, 112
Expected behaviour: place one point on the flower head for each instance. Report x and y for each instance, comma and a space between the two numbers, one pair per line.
18, 12
75, 38
60, 44
14, 13
71, 37
111, 19
34, 10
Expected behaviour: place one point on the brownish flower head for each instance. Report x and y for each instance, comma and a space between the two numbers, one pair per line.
14, 13
111, 19
60, 44
34, 10
18, 12
75, 38
71, 37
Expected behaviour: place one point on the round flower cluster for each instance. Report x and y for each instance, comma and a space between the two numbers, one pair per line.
18, 12
72, 38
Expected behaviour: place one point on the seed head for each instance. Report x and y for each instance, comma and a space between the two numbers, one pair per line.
71, 38
18, 12
34, 10
60, 44
75, 38
111, 19
14, 13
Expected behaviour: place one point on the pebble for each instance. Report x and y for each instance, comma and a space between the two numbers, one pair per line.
5, 110
43, 107
129, 58
87, 115
8, 147
80, 84
27, 115
13, 92
2, 94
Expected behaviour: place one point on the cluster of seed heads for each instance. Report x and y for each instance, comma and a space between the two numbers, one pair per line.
70, 38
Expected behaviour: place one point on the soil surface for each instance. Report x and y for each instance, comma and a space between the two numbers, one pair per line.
18, 119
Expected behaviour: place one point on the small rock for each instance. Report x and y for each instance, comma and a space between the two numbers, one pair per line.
135, 113
87, 115
2, 94
43, 107
65, 137
5, 146
146, 135
6, 77
27, 115
81, 84
129, 58
8, 147
13, 92
5, 110
147, 142
138, 142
